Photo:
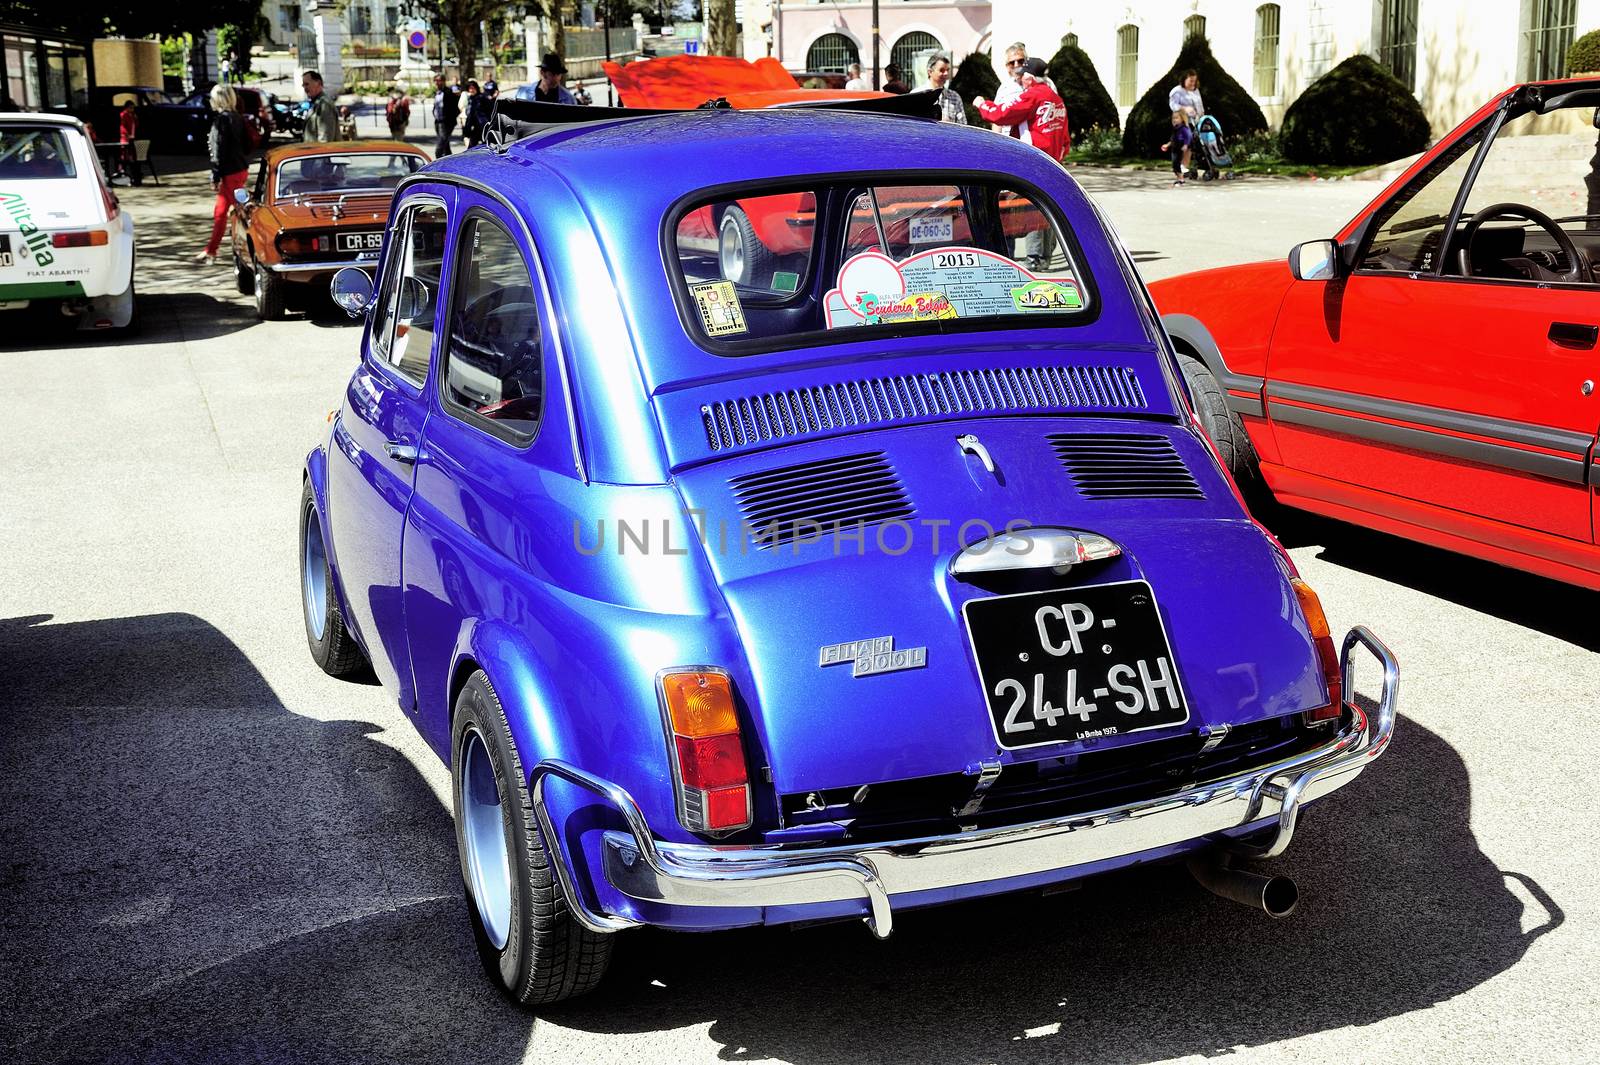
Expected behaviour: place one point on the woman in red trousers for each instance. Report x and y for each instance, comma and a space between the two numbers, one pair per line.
229, 142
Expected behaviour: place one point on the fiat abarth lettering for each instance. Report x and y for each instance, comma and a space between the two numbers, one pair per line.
741, 582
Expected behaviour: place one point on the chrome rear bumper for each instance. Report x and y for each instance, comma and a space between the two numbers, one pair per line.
646, 869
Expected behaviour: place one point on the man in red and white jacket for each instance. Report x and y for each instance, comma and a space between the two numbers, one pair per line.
1039, 106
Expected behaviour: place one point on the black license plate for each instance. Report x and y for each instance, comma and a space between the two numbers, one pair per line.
358, 241
5, 250
1077, 664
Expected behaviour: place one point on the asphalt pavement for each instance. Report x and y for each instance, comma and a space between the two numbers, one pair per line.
210, 852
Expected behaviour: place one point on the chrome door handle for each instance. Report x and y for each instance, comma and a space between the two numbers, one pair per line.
406, 453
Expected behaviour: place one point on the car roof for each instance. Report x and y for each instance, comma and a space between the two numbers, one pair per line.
691, 150
296, 151
39, 118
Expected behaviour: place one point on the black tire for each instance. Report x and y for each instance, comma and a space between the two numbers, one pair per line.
547, 955
244, 278
1224, 427
269, 290
741, 256
333, 648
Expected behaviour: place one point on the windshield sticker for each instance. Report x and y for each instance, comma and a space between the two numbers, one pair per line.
1046, 296
933, 229
720, 313
873, 289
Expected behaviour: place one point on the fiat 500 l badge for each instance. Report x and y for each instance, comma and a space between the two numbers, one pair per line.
872, 656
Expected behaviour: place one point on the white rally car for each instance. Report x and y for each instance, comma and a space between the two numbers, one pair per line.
64, 239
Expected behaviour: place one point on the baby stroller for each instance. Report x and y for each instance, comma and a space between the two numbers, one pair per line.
1210, 159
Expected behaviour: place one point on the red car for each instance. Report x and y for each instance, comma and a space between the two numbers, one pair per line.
1430, 371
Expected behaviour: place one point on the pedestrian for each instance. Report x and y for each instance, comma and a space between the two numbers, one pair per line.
229, 143
1011, 88
127, 133
855, 82
1039, 105
581, 95
398, 112
897, 80
472, 116
951, 109
1185, 96
446, 110
1179, 145
548, 89
322, 122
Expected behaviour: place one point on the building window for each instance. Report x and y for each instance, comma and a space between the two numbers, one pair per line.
1397, 40
832, 52
1547, 37
360, 19
1194, 26
1127, 66
1266, 63
905, 54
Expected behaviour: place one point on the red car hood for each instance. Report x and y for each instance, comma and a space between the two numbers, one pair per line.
687, 81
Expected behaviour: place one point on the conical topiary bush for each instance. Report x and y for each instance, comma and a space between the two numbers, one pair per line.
975, 77
1356, 113
1088, 103
1150, 122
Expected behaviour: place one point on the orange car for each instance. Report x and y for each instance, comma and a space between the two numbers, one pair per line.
313, 209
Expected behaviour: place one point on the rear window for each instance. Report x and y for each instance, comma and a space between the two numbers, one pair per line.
35, 152
773, 269
349, 172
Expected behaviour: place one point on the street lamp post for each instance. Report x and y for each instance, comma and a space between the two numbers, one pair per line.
875, 44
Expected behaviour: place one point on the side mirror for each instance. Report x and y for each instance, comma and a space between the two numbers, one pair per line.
351, 289
241, 197
413, 299
1315, 260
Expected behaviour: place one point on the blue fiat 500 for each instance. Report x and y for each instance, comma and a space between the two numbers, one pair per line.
776, 516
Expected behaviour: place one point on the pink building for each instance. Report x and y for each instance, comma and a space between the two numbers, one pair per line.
831, 34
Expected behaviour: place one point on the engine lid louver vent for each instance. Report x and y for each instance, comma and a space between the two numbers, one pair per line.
1125, 466
816, 498
796, 412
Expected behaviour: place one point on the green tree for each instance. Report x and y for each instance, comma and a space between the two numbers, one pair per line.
1356, 113
1088, 104
1150, 122
975, 77
1584, 56
461, 18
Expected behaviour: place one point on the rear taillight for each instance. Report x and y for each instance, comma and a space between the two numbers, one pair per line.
1317, 622
93, 238
708, 752
113, 205
303, 243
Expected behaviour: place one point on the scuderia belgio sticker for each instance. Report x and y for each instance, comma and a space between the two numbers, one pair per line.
718, 303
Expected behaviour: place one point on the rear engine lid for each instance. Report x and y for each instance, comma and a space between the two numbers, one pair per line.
809, 601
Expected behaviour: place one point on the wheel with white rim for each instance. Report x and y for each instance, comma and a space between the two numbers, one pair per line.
530, 944
741, 256
269, 289
332, 646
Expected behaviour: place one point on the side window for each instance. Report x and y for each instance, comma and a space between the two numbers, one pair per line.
403, 321
1409, 229
494, 365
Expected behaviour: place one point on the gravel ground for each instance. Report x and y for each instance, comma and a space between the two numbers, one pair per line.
211, 852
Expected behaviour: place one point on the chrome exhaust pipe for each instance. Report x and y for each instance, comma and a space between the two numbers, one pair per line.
1276, 896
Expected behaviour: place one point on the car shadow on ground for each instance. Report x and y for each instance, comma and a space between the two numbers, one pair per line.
192, 873
1400, 911
1564, 611
164, 318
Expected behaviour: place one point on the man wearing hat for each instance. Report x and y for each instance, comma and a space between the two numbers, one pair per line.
446, 110
1038, 105
549, 88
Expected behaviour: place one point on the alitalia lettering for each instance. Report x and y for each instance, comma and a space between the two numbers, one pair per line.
37, 240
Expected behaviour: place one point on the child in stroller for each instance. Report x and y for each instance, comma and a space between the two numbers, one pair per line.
1210, 156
